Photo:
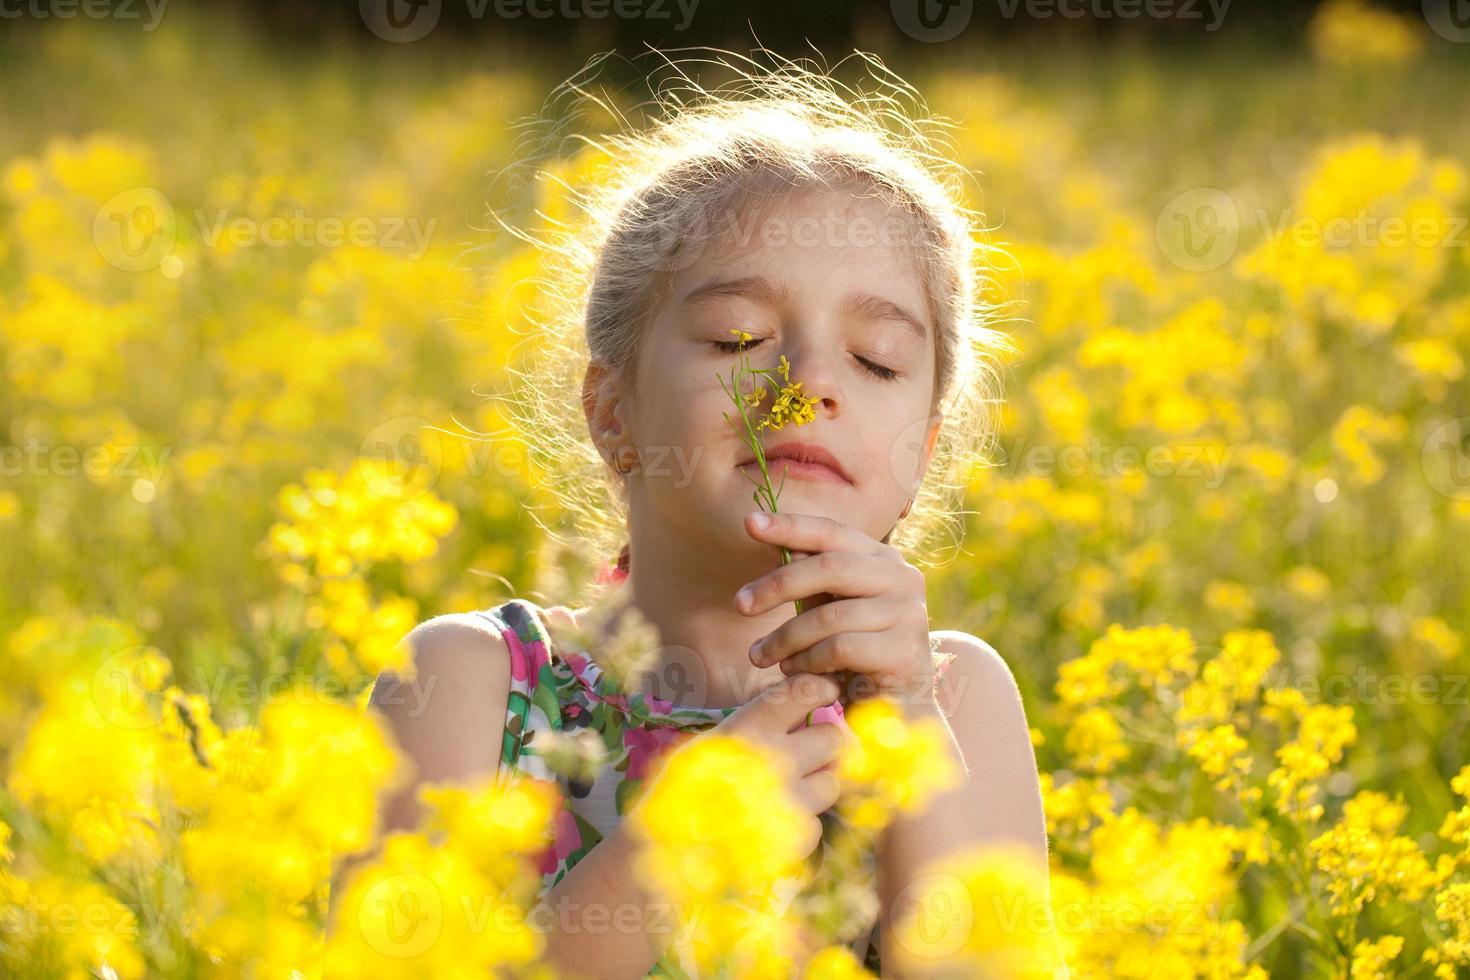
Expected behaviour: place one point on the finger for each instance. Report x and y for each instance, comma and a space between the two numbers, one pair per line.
808, 532
815, 746
864, 653
812, 834
819, 790
814, 624
842, 573
785, 704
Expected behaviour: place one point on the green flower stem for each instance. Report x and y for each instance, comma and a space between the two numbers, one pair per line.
765, 496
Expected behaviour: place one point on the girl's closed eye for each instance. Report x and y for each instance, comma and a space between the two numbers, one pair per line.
733, 346
882, 371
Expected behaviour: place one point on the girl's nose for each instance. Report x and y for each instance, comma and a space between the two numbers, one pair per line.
817, 372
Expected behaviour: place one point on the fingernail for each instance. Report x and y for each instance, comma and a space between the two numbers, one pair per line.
755, 652
761, 520
743, 597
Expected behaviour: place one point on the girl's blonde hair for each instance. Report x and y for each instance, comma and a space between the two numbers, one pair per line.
643, 201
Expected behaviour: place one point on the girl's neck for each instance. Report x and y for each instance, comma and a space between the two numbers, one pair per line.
700, 657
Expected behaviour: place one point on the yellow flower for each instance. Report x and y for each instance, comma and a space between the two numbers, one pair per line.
340, 523
1154, 900
76, 927
790, 406
1371, 956
1308, 583
722, 839
1074, 807
894, 766
1323, 732
1230, 598
496, 822
1352, 32
1363, 858
1095, 741
91, 762
1221, 752
717, 820
1229, 680
1356, 435
834, 963
1438, 636
420, 909
1452, 909
985, 911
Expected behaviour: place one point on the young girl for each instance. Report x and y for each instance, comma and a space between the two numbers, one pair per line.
830, 227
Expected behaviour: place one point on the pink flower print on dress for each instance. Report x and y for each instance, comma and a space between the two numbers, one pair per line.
659, 705
567, 837
529, 666
645, 745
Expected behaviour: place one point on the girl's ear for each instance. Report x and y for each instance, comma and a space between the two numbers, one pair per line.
601, 403
931, 438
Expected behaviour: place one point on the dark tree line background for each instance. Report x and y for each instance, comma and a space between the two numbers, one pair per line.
787, 24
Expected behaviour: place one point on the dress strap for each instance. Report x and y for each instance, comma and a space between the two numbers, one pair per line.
532, 700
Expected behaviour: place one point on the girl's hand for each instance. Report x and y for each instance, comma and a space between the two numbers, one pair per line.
774, 719
881, 630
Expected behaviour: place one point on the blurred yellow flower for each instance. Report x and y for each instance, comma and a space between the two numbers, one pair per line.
984, 912
895, 765
1354, 32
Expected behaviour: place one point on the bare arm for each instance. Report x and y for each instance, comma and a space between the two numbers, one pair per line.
599, 921
449, 720
998, 799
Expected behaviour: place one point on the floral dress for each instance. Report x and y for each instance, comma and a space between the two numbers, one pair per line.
562, 690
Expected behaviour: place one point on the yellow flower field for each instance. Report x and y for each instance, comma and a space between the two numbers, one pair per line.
250, 314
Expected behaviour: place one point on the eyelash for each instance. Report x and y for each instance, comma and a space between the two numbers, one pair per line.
886, 373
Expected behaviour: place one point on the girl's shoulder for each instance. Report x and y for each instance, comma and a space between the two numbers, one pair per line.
529, 619
533, 637
973, 655
527, 641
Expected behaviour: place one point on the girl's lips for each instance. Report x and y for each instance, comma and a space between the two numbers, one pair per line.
796, 470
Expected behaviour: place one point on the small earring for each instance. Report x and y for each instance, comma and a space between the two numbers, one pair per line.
905, 512
618, 463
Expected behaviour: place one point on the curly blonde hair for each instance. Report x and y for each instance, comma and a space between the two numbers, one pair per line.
637, 203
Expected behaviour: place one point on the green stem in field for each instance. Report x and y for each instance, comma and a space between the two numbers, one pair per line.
764, 494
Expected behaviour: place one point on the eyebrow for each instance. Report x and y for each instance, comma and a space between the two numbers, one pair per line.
859, 303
